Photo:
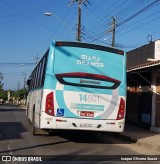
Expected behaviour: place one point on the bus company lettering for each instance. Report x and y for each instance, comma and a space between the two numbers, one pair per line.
89, 60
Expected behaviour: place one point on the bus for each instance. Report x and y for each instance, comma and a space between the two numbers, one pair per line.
78, 86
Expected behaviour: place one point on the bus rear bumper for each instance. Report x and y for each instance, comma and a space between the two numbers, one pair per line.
85, 124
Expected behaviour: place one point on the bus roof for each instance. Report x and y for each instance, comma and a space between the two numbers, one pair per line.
88, 45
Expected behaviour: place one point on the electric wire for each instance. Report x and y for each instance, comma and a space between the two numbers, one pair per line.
149, 6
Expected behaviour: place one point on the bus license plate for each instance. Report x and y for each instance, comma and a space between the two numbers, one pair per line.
86, 114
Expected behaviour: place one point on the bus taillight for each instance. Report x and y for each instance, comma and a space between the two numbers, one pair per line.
121, 110
50, 104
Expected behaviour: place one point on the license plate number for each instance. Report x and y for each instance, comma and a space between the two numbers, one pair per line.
86, 114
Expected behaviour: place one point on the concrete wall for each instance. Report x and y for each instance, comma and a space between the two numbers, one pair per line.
157, 50
140, 55
157, 102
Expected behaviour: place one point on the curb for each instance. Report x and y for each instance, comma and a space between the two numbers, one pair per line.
148, 145
120, 136
139, 142
22, 106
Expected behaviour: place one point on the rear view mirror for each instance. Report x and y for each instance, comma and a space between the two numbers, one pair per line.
28, 82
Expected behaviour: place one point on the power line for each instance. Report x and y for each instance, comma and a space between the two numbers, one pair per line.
131, 17
100, 25
31, 19
140, 21
139, 26
139, 12
20, 64
130, 6
30, 11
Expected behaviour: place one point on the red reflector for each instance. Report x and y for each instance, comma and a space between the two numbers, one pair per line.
49, 100
49, 109
58, 120
59, 44
48, 105
121, 110
120, 52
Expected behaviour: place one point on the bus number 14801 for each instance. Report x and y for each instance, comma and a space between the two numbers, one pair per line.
89, 98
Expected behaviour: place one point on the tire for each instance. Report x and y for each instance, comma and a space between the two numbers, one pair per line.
33, 124
27, 114
37, 131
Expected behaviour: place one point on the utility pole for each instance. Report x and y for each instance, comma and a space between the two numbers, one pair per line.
24, 96
18, 85
78, 36
113, 31
79, 21
25, 74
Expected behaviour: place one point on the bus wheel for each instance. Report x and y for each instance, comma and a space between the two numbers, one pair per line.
33, 124
27, 113
37, 131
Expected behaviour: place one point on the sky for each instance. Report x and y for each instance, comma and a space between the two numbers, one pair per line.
25, 32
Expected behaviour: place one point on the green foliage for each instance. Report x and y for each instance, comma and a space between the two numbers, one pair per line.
14, 95
20, 94
1, 86
3, 95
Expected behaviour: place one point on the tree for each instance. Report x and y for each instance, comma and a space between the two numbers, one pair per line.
20, 94
1, 86
3, 95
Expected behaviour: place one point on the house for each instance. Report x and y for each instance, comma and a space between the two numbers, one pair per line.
143, 86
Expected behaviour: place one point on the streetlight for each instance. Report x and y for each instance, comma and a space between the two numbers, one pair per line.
60, 20
48, 14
